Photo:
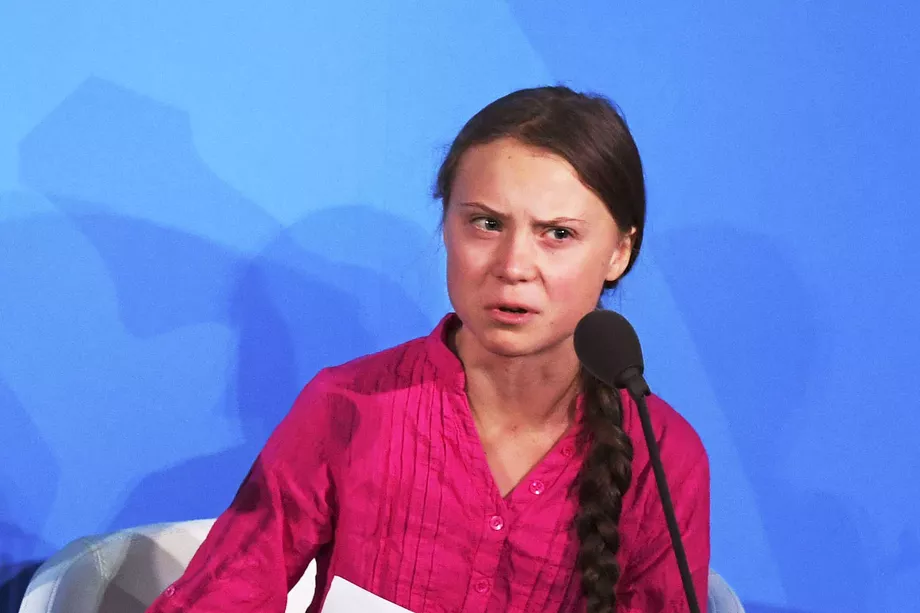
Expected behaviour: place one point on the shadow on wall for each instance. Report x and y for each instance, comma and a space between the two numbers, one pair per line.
28, 480
14, 580
180, 248
755, 330
291, 320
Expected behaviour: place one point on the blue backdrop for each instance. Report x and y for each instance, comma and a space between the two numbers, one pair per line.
201, 204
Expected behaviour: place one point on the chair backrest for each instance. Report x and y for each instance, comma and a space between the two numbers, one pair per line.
125, 571
721, 597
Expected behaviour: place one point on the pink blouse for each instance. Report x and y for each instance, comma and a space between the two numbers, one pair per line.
378, 474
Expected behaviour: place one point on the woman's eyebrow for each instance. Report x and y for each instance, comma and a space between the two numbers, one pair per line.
555, 221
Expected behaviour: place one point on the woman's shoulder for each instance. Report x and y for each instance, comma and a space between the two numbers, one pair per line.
339, 399
675, 435
404, 365
374, 372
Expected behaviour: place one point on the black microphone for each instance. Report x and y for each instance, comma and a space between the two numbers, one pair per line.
608, 347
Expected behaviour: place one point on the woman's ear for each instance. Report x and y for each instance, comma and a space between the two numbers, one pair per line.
619, 260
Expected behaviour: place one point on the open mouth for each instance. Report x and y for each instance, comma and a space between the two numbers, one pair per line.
512, 310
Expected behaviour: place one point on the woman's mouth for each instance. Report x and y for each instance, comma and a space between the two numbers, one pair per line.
510, 314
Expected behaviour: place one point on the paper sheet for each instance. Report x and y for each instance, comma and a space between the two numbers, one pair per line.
346, 597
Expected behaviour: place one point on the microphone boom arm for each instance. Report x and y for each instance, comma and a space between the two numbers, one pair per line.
638, 389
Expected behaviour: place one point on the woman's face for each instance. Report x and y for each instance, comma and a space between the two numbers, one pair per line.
529, 248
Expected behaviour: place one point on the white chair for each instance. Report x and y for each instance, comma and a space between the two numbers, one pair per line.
721, 597
125, 571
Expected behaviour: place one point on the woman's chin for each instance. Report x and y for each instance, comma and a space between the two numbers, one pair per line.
509, 343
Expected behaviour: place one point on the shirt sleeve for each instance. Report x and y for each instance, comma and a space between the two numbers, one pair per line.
651, 578
282, 514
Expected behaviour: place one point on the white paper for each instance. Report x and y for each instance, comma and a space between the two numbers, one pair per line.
346, 597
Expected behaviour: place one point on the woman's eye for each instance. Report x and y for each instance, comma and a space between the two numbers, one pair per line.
560, 234
486, 223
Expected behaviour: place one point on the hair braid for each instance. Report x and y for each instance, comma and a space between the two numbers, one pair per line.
603, 480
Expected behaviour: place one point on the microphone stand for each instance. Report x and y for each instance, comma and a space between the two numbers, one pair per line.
637, 387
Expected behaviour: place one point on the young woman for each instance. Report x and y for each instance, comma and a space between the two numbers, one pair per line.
479, 469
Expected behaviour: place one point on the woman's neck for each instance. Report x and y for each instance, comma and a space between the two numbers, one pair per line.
530, 392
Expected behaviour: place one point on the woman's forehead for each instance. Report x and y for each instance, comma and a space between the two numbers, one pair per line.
507, 175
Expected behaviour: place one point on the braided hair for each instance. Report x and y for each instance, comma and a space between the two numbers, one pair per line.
603, 480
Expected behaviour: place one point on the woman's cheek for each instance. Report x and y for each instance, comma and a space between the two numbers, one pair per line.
574, 284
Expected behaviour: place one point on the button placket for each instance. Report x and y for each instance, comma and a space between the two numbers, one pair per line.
495, 527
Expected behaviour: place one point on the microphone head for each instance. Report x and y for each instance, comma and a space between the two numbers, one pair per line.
607, 346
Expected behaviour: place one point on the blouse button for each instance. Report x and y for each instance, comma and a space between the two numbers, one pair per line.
537, 487
482, 586
170, 591
568, 451
496, 522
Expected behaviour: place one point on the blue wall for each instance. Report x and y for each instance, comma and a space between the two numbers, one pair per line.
201, 204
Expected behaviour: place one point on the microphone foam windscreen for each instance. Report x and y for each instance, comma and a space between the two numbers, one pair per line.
607, 346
